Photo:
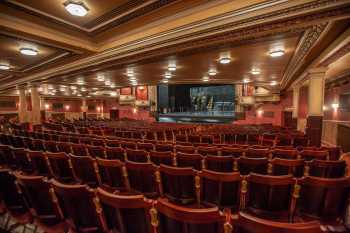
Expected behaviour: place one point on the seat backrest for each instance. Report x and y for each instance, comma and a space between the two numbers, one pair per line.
293, 167
115, 153
231, 151
79, 149
112, 143
96, 151
11, 193
84, 170
251, 224
181, 138
164, 147
128, 145
194, 138
98, 142
309, 155
165, 157
325, 198
60, 166
185, 149
64, 147
145, 146
132, 209
137, 155
269, 195
39, 163
112, 174
257, 153
178, 184
78, 199
257, 165
174, 219
326, 168
207, 150
50, 146
7, 157
142, 178
38, 145
220, 189
41, 198
22, 160
189, 160
219, 163
285, 154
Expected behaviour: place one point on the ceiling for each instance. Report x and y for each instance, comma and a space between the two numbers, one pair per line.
147, 35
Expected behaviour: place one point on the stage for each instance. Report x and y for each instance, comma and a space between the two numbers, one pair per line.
198, 117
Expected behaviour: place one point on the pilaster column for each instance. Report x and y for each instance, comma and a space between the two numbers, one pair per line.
238, 95
316, 79
152, 97
35, 98
42, 109
295, 113
22, 105
84, 108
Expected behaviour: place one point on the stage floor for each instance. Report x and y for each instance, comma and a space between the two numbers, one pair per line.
199, 117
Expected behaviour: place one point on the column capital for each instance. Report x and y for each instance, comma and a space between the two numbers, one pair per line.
21, 87
318, 72
33, 84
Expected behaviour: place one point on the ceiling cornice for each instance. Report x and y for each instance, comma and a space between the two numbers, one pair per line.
235, 28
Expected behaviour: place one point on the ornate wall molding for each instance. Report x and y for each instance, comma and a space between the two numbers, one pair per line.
336, 55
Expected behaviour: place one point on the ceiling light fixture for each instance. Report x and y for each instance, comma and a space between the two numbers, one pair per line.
76, 8
273, 83
165, 81
167, 75
107, 82
212, 72
172, 67
113, 93
4, 67
28, 51
73, 87
225, 60
277, 53
246, 80
100, 78
255, 71
205, 79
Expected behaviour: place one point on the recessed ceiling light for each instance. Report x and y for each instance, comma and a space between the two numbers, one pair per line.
225, 60
255, 71
94, 88
165, 81
100, 78
246, 80
79, 94
167, 75
107, 82
73, 87
113, 93
76, 8
172, 67
205, 79
62, 89
4, 67
112, 85
212, 72
28, 51
83, 89
273, 83
277, 53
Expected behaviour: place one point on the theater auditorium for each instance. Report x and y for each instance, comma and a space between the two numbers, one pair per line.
174, 116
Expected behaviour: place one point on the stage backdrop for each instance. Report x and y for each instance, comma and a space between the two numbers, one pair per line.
195, 98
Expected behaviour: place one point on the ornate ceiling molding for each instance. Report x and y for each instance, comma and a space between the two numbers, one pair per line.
336, 55
309, 39
180, 41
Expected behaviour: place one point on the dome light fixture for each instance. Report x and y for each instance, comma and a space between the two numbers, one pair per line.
212, 72
277, 53
273, 83
165, 81
225, 60
172, 67
167, 75
29, 51
205, 79
76, 8
255, 72
4, 67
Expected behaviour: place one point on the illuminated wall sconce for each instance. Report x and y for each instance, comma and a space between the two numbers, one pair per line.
47, 106
335, 106
325, 108
98, 109
67, 107
134, 110
260, 112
